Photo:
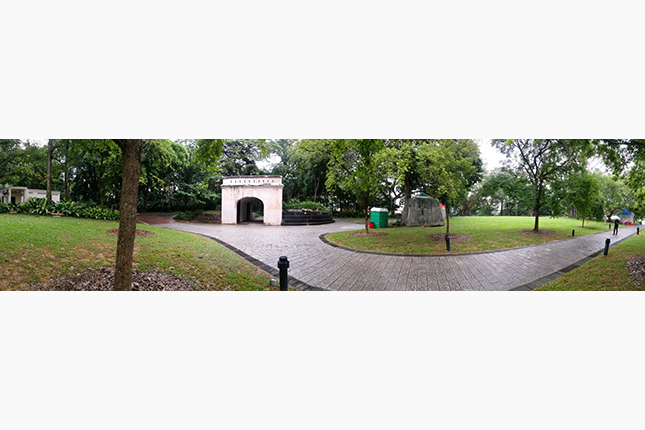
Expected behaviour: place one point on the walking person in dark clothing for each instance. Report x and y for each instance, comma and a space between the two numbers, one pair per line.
615, 227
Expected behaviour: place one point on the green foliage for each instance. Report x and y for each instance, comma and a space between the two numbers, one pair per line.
543, 161
37, 207
99, 213
314, 206
349, 214
584, 192
187, 216
449, 168
209, 151
67, 208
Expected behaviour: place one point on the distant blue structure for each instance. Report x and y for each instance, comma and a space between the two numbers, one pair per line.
626, 216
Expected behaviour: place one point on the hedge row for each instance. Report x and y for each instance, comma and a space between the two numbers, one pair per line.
74, 209
314, 206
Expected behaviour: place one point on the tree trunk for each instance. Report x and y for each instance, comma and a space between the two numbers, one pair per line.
50, 149
317, 182
536, 227
407, 191
131, 149
367, 231
538, 197
66, 181
447, 221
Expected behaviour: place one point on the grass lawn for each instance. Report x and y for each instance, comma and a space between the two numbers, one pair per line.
484, 234
603, 273
35, 248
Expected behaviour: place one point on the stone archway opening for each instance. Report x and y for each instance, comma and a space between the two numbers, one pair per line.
250, 209
252, 199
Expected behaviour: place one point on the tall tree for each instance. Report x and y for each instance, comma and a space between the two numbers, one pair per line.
131, 149
353, 166
50, 150
584, 194
543, 160
449, 168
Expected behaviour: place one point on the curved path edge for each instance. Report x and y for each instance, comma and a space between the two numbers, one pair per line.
531, 286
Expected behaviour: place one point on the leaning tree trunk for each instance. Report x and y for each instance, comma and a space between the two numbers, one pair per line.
50, 149
131, 149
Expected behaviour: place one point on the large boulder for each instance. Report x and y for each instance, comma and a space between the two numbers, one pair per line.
422, 211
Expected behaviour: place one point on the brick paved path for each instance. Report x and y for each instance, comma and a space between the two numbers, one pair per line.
322, 265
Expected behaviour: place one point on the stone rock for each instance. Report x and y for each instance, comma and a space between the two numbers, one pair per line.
422, 211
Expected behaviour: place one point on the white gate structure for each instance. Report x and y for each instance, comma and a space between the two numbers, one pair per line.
240, 193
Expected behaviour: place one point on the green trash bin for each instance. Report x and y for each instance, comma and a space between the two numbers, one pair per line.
379, 217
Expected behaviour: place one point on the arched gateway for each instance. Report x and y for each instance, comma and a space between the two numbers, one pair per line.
241, 193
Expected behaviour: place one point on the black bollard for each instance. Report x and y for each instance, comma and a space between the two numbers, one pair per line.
607, 242
573, 233
609, 226
283, 265
448, 243
638, 231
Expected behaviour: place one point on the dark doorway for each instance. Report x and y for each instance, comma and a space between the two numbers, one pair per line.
250, 209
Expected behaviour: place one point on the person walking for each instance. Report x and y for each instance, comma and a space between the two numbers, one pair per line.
615, 227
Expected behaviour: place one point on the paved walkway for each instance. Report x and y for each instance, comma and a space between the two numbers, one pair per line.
321, 265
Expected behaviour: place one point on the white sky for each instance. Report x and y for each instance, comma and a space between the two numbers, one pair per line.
492, 157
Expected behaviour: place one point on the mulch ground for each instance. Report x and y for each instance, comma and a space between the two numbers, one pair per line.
103, 280
371, 234
636, 268
539, 232
453, 237
115, 231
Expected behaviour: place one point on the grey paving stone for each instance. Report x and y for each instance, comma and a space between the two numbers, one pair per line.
321, 265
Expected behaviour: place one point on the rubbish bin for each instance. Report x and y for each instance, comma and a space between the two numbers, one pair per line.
379, 217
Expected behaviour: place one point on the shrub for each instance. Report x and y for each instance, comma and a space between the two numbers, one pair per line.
69, 208
314, 206
349, 214
99, 213
187, 216
37, 206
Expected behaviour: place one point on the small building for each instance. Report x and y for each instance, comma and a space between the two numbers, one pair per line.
241, 194
626, 216
19, 195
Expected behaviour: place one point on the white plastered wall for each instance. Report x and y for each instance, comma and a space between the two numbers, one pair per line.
267, 189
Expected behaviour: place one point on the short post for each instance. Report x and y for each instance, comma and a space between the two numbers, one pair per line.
609, 226
283, 265
573, 232
607, 242
638, 231
448, 243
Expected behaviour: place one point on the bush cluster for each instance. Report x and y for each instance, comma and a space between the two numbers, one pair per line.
314, 206
67, 208
349, 214
187, 216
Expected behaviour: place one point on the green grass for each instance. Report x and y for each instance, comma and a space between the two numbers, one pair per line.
485, 234
603, 273
37, 248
